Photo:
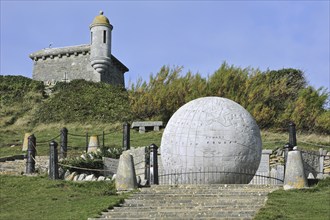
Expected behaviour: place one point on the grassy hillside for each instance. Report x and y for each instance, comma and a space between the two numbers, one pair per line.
82, 101
19, 98
24, 103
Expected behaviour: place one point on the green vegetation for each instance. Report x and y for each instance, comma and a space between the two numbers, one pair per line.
82, 101
313, 203
11, 138
27, 198
273, 97
19, 97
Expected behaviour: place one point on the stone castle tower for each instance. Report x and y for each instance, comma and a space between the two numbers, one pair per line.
92, 62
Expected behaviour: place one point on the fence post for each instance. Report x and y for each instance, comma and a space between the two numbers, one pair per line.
86, 142
53, 161
64, 142
154, 164
103, 139
31, 155
148, 167
292, 135
321, 160
126, 136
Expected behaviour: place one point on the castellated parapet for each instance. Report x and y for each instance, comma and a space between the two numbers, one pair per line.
92, 62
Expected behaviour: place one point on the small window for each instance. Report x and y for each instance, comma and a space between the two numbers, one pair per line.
91, 37
104, 36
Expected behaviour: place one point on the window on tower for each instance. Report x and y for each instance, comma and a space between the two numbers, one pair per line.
91, 37
104, 36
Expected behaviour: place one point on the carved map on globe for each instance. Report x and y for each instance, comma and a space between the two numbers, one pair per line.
212, 136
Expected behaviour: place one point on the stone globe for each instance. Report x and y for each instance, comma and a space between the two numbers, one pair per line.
210, 140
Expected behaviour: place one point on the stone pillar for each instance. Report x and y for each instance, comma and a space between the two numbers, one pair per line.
142, 129
126, 177
93, 143
26, 141
295, 177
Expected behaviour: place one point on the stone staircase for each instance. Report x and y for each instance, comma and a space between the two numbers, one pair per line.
192, 202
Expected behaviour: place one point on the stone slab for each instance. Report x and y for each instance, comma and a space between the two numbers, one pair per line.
110, 165
137, 124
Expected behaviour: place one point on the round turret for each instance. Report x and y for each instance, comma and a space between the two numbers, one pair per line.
101, 20
100, 43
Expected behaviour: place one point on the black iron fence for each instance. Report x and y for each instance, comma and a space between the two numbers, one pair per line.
216, 175
64, 138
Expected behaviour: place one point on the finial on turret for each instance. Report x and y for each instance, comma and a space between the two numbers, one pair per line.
101, 12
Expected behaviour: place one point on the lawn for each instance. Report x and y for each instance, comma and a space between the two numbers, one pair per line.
35, 198
302, 204
11, 138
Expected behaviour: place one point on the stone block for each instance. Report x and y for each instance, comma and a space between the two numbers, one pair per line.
101, 178
294, 172
69, 176
81, 177
110, 165
125, 177
75, 178
90, 177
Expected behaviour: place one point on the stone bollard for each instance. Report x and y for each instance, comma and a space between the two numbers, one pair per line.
294, 171
93, 143
126, 177
53, 161
26, 141
31, 155
64, 142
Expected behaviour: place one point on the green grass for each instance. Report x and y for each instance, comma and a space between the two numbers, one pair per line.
312, 203
11, 138
35, 198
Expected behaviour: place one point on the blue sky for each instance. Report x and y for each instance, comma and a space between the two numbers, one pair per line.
198, 35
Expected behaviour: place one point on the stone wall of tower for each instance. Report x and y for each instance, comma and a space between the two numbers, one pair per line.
113, 76
71, 67
69, 63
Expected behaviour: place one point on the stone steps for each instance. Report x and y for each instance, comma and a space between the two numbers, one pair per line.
205, 194
186, 207
179, 214
216, 201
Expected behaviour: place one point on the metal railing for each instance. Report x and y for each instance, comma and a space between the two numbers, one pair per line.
215, 175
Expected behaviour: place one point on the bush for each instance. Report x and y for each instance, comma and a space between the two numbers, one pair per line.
91, 161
